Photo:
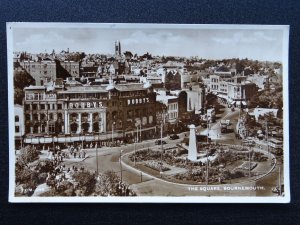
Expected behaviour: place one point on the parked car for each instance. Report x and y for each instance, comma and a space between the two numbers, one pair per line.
174, 137
158, 142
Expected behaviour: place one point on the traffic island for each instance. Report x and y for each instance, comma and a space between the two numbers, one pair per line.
215, 164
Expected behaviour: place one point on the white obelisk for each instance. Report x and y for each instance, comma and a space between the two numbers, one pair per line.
192, 153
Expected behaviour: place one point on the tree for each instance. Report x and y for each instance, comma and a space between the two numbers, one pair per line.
27, 155
107, 183
86, 182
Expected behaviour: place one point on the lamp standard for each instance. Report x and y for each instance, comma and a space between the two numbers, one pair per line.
121, 165
267, 136
82, 138
137, 133
97, 159
207, 129
162, 150
206, 168
112, 133
249, 161
280, 190
134, 154
141, 131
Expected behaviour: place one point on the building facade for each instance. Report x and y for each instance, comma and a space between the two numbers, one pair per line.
99, 112
19, 125
71, 67
41, 71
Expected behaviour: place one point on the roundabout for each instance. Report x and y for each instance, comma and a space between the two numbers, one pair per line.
216, 165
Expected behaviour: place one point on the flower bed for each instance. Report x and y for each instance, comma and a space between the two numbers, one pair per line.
156, 166
247, 165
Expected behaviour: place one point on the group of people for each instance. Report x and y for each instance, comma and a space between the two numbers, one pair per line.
77, 152
60, 174
57, 155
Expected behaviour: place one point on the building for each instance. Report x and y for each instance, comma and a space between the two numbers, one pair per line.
232, 89
74, 112
41, 71
71, 67
240, 91
171, 103
19, 125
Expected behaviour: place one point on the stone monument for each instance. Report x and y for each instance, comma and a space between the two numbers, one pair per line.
192, 152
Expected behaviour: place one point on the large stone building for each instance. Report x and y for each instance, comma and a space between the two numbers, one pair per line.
46, 70
71, 68
41, 71
232, 89
73, 112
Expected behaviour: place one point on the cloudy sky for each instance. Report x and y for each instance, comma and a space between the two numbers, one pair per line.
260, 44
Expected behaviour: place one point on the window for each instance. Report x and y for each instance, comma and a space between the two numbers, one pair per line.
27, 107
42, 116
59, 106
42, 106
35, 116
34, 106
27, 117
16, 118
17, 129
51, 128
59, 116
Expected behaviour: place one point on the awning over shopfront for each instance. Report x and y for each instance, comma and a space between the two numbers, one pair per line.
61, 139
35, 141
45, 140
244, 103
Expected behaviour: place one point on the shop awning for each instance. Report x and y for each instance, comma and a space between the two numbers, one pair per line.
61, 139
244, 103
238, 103
35, 141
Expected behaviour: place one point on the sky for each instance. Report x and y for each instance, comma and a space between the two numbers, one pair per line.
257, 44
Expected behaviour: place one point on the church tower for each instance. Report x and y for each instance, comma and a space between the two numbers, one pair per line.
117, 48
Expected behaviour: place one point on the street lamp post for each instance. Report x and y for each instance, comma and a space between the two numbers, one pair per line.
206, 168
137, 133
97, 159
249, 161
112, 133
121, 165
134, 154
82, 139
267, 134
279, 181
207, 128
141, 131
162, 150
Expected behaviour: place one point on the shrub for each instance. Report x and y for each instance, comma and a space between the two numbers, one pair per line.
86, 181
